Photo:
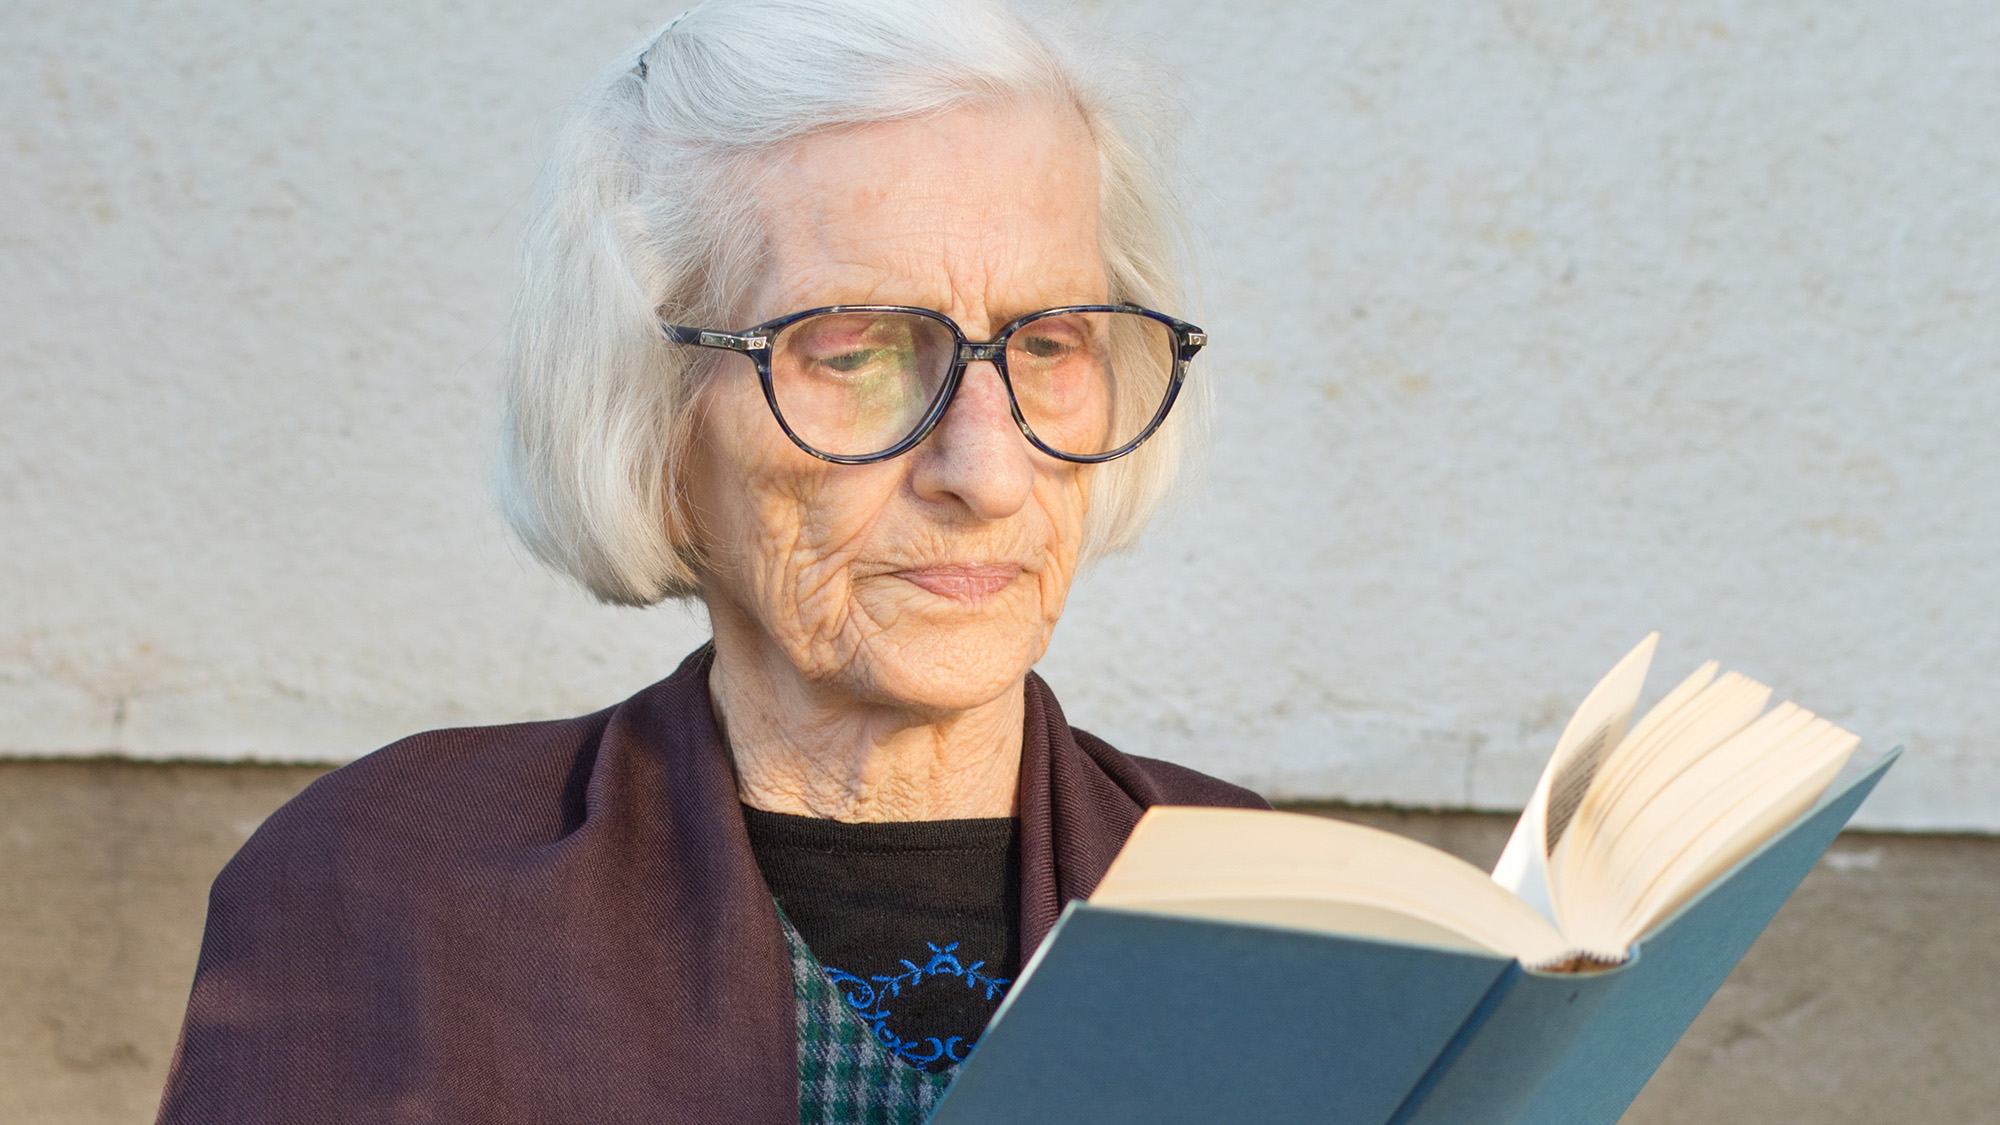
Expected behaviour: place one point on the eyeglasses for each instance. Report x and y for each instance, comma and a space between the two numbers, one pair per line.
856, 384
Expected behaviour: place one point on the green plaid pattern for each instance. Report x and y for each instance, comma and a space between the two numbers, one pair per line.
846, 1075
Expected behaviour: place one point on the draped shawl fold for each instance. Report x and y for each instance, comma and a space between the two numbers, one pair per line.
558, 922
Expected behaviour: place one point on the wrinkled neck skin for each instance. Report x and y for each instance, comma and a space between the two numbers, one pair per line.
815, 750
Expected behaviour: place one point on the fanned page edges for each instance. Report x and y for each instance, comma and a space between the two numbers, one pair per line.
1702, 780
1662, 811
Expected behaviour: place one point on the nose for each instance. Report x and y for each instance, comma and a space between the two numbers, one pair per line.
976, 457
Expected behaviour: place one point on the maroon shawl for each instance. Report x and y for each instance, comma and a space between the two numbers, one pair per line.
558, 922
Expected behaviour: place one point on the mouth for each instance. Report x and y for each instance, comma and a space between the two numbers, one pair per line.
963, 582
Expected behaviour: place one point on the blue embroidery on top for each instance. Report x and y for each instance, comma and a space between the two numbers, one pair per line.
870, 1000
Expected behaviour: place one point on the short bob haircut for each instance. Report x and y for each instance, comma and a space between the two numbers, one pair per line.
639, 214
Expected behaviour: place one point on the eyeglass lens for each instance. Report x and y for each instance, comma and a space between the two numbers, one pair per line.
853, 384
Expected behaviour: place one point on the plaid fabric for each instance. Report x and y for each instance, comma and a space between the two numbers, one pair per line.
846, 1075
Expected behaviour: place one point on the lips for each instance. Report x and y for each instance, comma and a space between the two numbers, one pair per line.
966, 582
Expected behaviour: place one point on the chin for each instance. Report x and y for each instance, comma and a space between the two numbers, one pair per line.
950, 670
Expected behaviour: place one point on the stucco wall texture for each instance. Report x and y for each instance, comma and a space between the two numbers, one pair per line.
1536, 326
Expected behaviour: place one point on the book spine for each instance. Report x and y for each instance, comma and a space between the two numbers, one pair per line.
1488, 1004
1492, 1068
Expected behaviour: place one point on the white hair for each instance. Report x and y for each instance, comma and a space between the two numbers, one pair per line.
639, 214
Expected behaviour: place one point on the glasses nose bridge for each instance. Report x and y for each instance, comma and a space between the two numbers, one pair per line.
992, 352
969, 353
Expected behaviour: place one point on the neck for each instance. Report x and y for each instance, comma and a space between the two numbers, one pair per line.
814, 749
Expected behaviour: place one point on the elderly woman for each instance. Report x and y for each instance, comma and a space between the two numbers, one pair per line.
851, 320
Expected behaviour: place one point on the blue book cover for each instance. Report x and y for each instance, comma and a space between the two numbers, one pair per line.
1124, 1016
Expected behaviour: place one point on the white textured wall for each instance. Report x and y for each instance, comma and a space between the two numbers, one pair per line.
1538, 325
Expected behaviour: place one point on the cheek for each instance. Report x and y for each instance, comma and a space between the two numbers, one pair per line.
728, 462
808, 530
779, 527
1064, 498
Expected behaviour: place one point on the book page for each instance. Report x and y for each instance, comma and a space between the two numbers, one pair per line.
1687, 797
1782, 783
1660, 827
1636, 793
1597, 726
1316, 873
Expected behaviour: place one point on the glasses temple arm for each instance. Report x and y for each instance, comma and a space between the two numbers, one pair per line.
704, 338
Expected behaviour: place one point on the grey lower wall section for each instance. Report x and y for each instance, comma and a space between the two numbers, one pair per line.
1874, 997
104, 873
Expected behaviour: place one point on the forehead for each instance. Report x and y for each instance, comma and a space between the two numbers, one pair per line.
985, 212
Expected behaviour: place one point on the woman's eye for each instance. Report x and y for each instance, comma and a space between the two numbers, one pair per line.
847, 363
1043, 347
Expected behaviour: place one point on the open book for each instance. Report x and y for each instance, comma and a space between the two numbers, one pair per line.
1237, 965
1628, 823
